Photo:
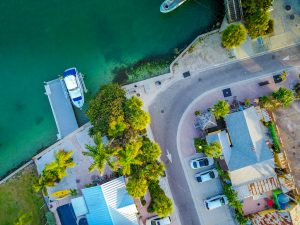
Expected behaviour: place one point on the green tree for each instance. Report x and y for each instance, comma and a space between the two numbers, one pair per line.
106, 107
247, 102
213, 150
152, 171
24, 219
297, 90
221, 109
42, 183
150, 151
101, 154
128, 157
200, 144
116, 127
160, 203
251, 6
284, 96
234, 35
269, 103
135, 116
283, 75
137, 186
58, 167
257, 23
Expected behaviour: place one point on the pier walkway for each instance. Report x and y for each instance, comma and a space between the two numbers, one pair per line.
61, 107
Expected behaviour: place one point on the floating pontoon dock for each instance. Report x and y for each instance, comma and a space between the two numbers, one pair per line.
61, 107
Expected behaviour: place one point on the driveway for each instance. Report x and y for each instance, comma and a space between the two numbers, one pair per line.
169, 106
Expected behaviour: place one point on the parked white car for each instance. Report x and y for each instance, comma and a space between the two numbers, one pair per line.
216, 202
201, 162
206, 176
158, 221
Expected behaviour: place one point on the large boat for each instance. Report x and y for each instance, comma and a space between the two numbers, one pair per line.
73, 81
170, 5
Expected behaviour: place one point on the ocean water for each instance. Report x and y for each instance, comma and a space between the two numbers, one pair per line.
39, 39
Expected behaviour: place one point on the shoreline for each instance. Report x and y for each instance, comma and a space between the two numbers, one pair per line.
184, 48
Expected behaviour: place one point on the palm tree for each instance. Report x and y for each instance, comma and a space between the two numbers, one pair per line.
24, 219
42, 183
102, 155
128, 157
58, 168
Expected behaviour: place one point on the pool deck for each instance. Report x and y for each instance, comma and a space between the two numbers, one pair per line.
61, 108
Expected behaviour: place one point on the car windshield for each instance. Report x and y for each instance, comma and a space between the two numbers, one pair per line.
222, 201
199, 179
203, 162
212, 174
195, 164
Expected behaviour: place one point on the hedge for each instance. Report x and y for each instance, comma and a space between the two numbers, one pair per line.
274, 137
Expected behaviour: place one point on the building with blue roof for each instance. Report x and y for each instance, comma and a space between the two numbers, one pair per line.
108, 204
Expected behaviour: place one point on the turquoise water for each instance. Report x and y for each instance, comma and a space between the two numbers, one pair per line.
39, 39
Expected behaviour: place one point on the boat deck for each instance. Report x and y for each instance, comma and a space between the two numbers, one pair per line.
61, 107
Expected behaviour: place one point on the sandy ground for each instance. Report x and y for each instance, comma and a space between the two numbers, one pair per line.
288, 121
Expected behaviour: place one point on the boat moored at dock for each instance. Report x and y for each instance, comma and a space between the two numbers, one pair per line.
170, 5
75, 87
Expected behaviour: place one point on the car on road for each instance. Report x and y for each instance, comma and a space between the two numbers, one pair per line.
206, 176
216, 202
158, 221
201, 162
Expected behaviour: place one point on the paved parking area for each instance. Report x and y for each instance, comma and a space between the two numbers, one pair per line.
202, 191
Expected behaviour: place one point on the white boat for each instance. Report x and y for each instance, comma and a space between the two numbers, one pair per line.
74, 86
170, 5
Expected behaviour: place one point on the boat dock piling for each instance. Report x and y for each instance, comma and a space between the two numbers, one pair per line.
62, 110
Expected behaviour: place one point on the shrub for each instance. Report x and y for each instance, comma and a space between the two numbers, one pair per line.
160, 203
197, 113
221, 109
234, 35
247, 102
284, 96
143, 201
274, 137
200, 144
270, 29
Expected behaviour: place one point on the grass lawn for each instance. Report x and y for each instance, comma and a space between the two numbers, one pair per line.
16, 195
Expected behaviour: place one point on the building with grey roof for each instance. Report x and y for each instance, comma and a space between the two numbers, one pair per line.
246, 154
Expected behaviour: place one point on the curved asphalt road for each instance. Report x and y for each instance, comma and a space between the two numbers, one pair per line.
169, 106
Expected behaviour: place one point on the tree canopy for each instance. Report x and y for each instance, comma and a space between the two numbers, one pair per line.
284, 96
257, 23
257, 18
213, 150
160, 203
150, 151
55, 171
128, 157
221, 109
106, 107
129, 151
234, 35
135, 116
252, 6
24, 219
137, 186
101, 154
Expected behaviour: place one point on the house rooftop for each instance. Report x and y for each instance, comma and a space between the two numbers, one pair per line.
249, 146
108, 204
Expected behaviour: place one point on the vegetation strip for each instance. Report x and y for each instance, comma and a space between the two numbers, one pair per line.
128, 151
